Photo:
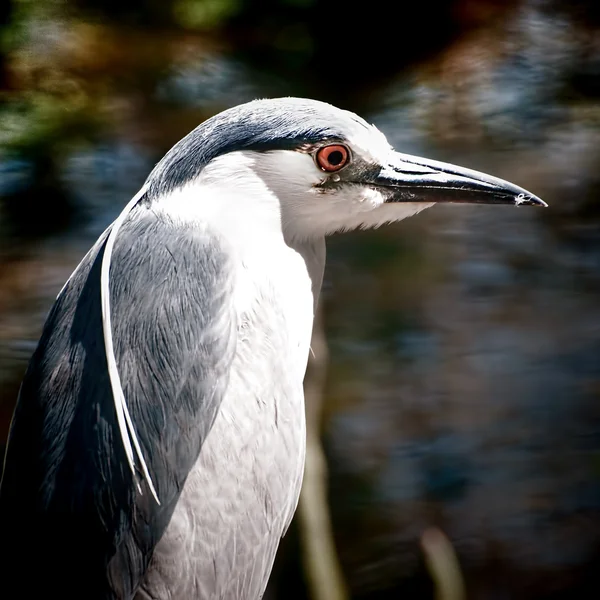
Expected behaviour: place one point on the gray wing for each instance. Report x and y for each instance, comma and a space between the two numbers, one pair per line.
70, 513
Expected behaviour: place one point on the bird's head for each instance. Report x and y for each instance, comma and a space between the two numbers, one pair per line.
329, 169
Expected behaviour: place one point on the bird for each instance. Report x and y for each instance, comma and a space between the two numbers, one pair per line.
157, 446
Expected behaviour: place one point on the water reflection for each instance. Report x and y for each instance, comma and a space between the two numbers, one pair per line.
464, 381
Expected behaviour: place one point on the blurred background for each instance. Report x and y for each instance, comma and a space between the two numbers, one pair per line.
462, 390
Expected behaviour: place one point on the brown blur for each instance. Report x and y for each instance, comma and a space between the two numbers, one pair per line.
463, 388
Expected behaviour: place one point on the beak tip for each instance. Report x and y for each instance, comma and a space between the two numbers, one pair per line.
529, 200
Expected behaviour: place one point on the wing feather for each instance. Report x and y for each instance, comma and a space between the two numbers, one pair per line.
69, 505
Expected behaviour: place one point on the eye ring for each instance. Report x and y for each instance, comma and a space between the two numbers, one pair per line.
332, 158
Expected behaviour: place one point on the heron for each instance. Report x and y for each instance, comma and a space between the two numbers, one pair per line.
158, 441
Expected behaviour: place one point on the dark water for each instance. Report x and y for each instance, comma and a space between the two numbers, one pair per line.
464, 383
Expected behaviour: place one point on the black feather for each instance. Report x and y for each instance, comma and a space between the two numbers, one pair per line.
262, 125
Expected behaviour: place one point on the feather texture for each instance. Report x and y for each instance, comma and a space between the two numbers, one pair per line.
68, 502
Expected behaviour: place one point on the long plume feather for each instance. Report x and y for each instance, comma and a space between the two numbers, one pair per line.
126, 428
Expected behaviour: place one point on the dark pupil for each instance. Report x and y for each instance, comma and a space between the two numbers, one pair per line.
335, 158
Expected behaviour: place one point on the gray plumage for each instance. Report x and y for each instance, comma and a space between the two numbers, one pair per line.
214, 277
64, 452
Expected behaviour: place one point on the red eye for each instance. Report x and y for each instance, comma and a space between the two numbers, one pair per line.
332, 158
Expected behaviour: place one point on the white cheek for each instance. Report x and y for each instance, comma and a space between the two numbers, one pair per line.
371, 198
364, 199
288, 173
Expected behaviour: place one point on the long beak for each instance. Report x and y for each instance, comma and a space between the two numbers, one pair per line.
413, 179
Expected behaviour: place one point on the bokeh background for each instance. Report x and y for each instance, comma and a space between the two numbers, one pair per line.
463, 382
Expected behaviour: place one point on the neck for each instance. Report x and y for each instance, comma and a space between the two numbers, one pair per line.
313, 252
234, 200
229, 197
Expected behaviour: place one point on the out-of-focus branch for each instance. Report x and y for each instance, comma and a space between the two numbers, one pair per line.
443, 566
319, 556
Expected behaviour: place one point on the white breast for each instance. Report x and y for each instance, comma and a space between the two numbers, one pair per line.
242, 492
